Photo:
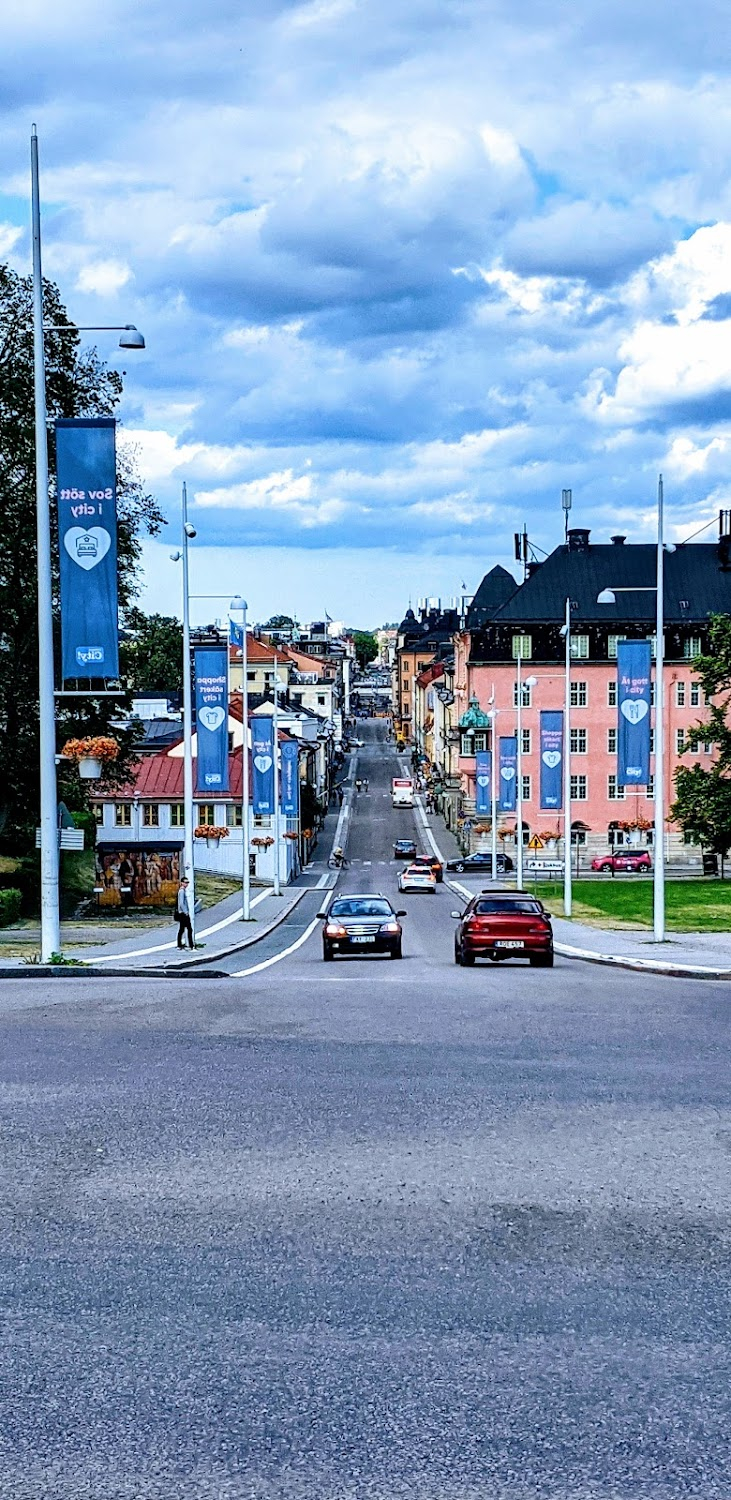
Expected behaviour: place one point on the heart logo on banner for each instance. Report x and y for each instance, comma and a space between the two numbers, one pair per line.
87, 548
212, 718
634, 710
263, 763
551, 758
483, 781
507, 772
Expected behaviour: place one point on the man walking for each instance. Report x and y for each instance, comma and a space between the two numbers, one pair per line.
182, 914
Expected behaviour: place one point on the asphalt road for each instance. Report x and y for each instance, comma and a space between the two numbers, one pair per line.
378, 1230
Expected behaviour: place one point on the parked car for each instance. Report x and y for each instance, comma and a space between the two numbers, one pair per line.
418, 878
628, 859
361, 924
431, 862
504, 924
404, 849
480, 863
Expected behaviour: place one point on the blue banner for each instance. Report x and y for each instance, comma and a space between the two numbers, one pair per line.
211, 718
552, 749
262, 765
483, 779
86, 484
236, 635
633, 702
290, 792
508, 773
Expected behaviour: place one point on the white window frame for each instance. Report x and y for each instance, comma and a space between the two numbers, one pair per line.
579, 742
579, 788
680, 694
612, 693
611, 742
692, 647
123, 814
522, 646
579, 648
526, 693
526, 783
526, 742
615, 792
579, 694
148, 809
612, 644
695, 695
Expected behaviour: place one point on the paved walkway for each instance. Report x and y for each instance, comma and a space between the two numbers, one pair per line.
693, 953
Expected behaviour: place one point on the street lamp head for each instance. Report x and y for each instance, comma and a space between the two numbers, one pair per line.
670, 546
190, 530
131, 338
607, 596
238, 603
529, 682
175, 556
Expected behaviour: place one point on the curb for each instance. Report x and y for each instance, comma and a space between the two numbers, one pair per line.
174, 970
645, 965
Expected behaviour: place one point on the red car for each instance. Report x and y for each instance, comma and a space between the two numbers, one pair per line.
504, 924
630, 859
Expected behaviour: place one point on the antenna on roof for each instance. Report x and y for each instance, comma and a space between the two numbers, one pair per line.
566, 501
521, 548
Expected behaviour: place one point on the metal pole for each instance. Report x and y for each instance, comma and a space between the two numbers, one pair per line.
493, 792
275, 752
567, 891
658, 904
50, 919
187, 725
245, 799
519, 774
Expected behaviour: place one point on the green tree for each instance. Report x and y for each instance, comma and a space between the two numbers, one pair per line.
366, 647
280, 622
78, 383
151, 656
702, 803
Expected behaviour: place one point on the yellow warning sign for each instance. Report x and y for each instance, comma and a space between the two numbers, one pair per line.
535, 842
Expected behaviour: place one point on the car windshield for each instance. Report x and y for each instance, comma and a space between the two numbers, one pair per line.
495, 905
361, 906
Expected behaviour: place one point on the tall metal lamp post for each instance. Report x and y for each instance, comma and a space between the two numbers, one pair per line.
608, 596
240, 604
567, 879
528, 682
188, 533
131, 339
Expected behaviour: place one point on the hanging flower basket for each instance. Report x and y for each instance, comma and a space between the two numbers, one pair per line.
292, 836
262, 843
210, 831
91, 754
307, 833
506, 833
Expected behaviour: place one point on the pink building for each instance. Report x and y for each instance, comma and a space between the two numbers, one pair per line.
697, 584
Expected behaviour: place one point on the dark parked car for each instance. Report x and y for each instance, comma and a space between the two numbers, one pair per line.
480, 863
629, 859
404, 849
504, 924
361, 924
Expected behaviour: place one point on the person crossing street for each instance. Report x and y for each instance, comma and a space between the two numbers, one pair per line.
183, 914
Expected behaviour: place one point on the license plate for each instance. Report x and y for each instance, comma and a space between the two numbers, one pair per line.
509, 943
362, 940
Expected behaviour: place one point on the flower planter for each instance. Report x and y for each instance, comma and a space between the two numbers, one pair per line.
634, 835
90, 767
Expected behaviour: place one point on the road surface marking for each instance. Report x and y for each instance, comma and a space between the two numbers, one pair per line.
267, 962
110, 958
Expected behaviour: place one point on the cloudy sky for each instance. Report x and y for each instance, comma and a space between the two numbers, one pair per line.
406, 270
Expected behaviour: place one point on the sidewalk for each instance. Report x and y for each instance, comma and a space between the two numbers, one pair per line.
700, 955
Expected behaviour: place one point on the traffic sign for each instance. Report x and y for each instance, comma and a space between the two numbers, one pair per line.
535, 842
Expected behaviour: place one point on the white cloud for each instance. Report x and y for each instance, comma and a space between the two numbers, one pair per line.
103, 277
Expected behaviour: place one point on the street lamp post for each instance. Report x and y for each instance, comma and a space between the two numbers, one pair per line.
529, 682
275, 753
608, 596
188, 532
493, 785
567, 885
241, 604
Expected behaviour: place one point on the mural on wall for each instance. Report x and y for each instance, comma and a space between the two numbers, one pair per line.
137, 876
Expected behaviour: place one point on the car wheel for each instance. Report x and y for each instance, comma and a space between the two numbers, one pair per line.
397, 952
327, 955
604, 868
459, 867
541, 960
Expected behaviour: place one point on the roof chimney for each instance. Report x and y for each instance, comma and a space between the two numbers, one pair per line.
578, 539
618, 541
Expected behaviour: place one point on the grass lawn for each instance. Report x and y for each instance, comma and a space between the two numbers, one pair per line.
211, 888
691, 905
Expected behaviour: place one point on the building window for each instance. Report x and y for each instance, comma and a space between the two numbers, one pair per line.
251, 676
207, 813
150, 815
321, 699
578, 789
652, 695
680, 695
579, 695
578, 742
692, 647
650, 789
615, 793
525, 783
611, 742
708, 746
525, 736
421, 666
262, 820
611, 695
123, 814
480, 740
580, 647
466, 745
679, 741
525, 695
177, 815
578, 838
234, 815
612, 644
98, 812
522, 647
695, 695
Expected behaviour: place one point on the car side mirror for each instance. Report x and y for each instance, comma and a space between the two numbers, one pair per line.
457, 915
322, 914
402, 914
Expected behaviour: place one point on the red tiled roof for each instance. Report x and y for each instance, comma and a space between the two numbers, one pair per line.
159, 778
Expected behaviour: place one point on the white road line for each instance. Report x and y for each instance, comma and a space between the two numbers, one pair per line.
235, 916
275, 959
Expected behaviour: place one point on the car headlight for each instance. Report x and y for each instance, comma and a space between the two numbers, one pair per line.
390, 927
332, 930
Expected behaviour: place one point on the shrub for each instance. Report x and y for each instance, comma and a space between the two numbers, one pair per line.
9, 905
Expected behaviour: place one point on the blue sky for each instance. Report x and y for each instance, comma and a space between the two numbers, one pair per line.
406, 270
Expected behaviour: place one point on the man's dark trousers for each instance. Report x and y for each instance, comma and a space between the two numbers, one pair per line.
184, 925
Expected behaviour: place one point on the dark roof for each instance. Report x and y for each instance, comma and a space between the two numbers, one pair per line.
159, 734
696, 585
496, 588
